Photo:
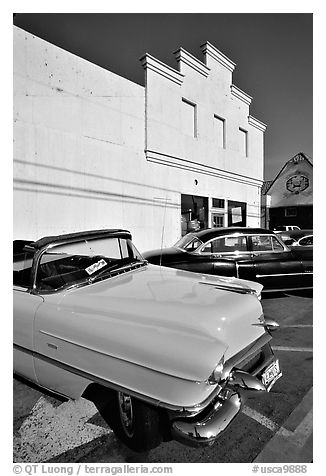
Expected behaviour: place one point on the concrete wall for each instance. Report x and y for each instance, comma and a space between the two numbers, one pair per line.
94, 150
79, 143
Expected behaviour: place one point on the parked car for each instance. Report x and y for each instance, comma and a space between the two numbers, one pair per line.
247, 253
292, 238
163, 353
286, 228
305, 241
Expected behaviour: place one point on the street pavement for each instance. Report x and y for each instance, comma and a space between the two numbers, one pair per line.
272, 427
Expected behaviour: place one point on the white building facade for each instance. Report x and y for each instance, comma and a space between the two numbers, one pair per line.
94, 150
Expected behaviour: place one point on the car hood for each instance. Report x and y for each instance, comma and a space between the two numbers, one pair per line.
172, 321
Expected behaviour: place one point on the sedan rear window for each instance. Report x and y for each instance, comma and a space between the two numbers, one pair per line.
265, 243
226, 244
261, 243
189, 243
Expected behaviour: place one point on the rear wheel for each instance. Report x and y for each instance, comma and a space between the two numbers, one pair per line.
126, 411
134, 422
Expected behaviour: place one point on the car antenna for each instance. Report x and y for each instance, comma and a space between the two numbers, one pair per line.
163, 224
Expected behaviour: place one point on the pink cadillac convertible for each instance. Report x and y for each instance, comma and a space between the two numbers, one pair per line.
163, 353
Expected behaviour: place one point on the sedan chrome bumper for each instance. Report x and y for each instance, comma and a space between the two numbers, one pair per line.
205, 431
205, 427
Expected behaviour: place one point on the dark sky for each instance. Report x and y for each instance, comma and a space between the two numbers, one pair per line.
273, 54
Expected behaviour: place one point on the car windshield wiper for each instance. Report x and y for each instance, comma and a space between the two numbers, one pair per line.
116, 269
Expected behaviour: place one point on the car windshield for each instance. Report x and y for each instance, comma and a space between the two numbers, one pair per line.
85, 262
188, 242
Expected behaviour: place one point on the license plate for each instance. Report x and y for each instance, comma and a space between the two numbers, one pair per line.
271, 374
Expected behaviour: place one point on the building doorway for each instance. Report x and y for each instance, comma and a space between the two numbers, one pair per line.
194, 213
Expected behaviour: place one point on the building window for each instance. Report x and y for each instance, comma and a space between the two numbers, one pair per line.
189, 118
243, 142
291, 212
219, 131
218, 203
237, 213
217, 220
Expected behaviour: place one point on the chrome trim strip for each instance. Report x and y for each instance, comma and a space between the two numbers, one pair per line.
237, 269
283, 274
235, 288
106, 383
38, 253
33, 382
247, 251
224, 253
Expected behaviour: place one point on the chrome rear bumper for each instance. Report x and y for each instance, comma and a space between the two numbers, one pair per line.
209, 428
205, 427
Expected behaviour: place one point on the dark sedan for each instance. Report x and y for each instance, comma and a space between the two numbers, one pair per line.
248, 253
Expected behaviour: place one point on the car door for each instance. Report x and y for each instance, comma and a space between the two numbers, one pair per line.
25, 305
229, 256
196, 262
275, 266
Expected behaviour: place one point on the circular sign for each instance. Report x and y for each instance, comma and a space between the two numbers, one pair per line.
297, 183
